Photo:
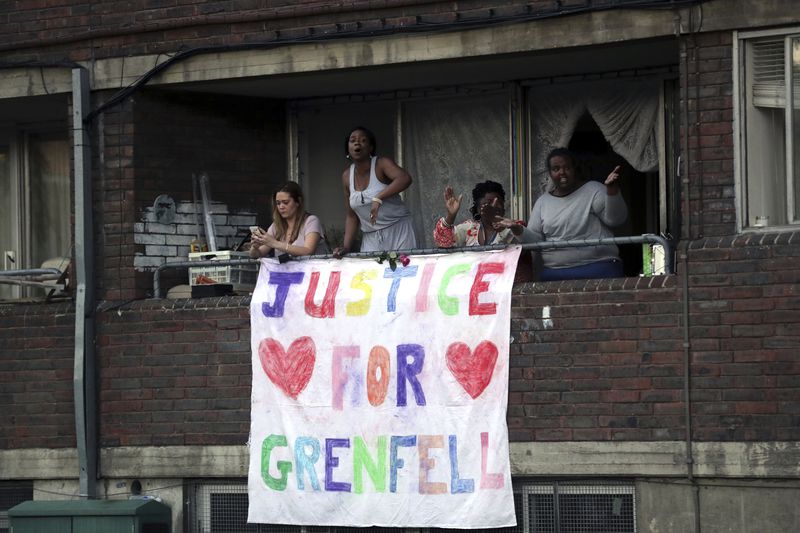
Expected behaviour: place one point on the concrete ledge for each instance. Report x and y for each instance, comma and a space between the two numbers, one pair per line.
597, 458
774, 460
748, 459
712, 459
174, 461
39, 463
664, 458
595, 28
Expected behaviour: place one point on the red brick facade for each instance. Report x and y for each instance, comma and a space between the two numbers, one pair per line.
80, 31
36, 396
607, 367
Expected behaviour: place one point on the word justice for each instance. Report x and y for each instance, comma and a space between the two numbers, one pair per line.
361, 281
387, 461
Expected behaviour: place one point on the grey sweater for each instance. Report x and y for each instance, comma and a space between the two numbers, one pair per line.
586, 213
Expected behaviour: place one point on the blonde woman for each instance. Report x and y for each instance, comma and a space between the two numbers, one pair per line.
293, 231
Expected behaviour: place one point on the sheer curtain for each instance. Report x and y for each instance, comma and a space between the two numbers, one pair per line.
625, 110
49, 195
457, 142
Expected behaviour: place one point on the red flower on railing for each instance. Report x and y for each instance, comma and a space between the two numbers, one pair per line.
393, 259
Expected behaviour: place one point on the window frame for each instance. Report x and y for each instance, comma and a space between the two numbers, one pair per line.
19, 139
740, 164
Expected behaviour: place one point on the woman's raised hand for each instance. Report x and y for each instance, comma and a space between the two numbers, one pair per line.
452, 203
613, 177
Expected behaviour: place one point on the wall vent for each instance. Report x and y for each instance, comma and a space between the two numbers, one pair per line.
11, 494
541, 507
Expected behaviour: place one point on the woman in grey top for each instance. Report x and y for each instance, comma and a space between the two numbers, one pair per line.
575, 209
372, 187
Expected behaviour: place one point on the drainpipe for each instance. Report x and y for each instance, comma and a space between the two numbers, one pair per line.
684, 259
83, 377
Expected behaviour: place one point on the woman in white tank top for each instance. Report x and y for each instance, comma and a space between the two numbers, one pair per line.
372, 187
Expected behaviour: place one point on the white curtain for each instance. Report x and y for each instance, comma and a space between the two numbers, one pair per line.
625, 110
457, 142
49, 196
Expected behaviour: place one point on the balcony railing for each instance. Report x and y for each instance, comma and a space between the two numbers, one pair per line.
544, 245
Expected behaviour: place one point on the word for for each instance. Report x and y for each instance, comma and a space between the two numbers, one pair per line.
449, 305
291, 369
308, 452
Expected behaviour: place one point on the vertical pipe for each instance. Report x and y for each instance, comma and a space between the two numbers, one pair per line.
84, 366
684, 256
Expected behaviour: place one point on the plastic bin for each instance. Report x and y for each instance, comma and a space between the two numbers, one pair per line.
241, 277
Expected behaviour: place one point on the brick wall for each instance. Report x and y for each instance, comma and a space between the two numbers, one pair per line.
596, 361
36, 396
113, 187
79, 30
591, 360
745, 331
707, 70
175, 373
151, 145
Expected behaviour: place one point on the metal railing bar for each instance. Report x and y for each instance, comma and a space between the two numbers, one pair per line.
31, 272
543, 245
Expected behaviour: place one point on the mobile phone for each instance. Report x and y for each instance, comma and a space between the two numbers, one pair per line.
253, 229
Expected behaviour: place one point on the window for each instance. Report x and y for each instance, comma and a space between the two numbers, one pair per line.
622, 121
34, 201
769, 149
458, 140
502, 130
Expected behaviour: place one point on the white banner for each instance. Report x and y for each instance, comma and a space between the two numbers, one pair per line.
379, 396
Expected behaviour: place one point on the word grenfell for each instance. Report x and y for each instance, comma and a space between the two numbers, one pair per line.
343, 455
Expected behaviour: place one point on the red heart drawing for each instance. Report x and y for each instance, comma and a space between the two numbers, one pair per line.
290, 371
472, 369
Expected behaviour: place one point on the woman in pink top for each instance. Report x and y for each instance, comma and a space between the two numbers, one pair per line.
293, 231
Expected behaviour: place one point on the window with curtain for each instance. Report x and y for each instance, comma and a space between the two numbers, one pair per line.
34, 202
607, 123
459, 142
7, 206
48, 197
626, 111
769, 97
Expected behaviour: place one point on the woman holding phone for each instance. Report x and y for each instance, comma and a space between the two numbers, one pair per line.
293, 231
